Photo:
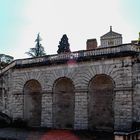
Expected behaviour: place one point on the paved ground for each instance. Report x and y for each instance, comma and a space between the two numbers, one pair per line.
34, 134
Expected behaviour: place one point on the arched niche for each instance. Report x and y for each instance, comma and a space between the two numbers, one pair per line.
63, 103
32, 102
100, 102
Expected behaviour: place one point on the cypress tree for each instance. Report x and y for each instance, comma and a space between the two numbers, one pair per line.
63, 46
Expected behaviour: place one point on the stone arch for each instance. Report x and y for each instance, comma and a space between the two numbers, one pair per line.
22, 77
32, 102
101, 103
56, 73
63, 103
87, 72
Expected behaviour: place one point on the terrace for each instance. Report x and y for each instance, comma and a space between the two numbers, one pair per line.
82, 55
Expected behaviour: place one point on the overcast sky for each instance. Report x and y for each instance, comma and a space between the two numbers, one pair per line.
21, 20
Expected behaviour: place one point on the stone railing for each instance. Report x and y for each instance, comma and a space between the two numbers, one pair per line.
135, 135
96, 52
75, 55
8, 67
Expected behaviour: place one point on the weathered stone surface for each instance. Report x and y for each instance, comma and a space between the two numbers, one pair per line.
101, 98
63, 104
122, 100
81, 111
47, 110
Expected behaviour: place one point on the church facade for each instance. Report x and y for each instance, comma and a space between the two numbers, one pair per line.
95, 89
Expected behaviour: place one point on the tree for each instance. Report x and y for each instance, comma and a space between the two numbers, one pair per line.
63, 45
5, 60
139, 39
38, 50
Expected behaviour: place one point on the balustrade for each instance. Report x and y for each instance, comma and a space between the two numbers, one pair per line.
75, 55
135, 135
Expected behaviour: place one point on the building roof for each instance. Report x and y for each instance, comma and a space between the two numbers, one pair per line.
110, 34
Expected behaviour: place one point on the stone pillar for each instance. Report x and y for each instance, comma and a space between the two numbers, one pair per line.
120, 137
127, 136
46, 117
81, 114
123, 110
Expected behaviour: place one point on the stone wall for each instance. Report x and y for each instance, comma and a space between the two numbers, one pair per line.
47, 110
136, 93
5, 91
81, 111
119, 70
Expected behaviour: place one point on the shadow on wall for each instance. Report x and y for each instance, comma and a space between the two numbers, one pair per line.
5, 120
